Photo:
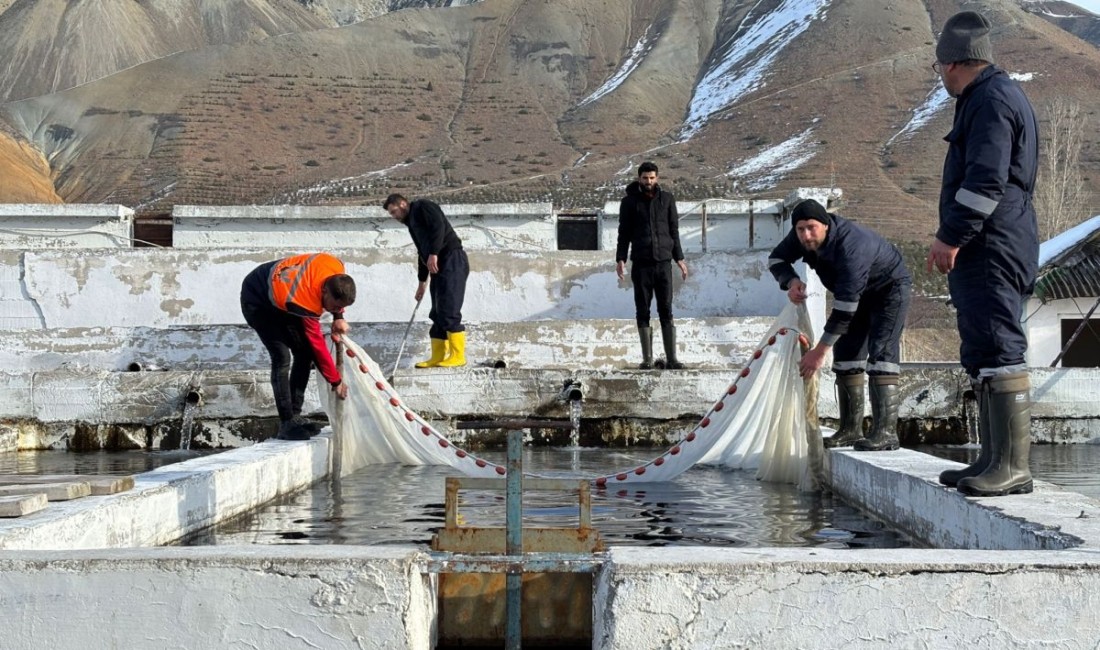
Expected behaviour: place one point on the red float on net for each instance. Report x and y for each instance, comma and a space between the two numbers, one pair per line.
690, 437
480, 463
409, 416
443, 443
659, 461
620, 477
675, 450
351, 353
363, 368
460, 453
704, 423
500, 470
756, 355
733, 389
719, 406
379, 385
601, 482
640, 471
745, 372
394, 402
771, 341
426, 431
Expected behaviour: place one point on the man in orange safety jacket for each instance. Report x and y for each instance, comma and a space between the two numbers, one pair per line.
283, 301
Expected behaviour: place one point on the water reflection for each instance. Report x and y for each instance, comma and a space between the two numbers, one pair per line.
390, 504
112, 463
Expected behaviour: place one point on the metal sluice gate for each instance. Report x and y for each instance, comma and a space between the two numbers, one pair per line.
544, 574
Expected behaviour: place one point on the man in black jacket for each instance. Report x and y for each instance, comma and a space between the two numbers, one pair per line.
870, 286
649, 227
439, 256
988, 244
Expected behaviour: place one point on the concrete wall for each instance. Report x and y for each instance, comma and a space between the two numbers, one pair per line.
37, 226
496, 226
1044, 326
169, 288
821, 598
263, 597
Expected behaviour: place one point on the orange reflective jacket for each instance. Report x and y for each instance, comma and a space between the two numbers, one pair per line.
297, 282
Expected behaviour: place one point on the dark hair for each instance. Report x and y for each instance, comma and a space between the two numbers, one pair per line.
647, 166
342, 288
393, 199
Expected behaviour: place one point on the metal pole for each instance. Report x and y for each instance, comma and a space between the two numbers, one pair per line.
513, 633
338, 423
703, 223
405, 338
1080, 328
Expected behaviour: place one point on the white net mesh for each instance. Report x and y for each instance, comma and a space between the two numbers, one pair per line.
762, 422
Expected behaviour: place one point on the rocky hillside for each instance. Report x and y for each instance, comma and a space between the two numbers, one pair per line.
525, 99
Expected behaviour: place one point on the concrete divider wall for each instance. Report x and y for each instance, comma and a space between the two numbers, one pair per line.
821, 598
26, 226
496, 226
258, 597
168, 288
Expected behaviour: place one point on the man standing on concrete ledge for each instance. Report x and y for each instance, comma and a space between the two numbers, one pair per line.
870, 286
440, 257
283, 301
988, 245
649, 227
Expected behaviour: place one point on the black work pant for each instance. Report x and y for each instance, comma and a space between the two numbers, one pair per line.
284, 337
652, 279
873, 340
448, 291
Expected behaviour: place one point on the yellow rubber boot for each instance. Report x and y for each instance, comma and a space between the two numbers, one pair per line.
439, 353
457, 343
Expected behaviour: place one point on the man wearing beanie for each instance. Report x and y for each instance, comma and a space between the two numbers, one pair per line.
870, 287
988, 245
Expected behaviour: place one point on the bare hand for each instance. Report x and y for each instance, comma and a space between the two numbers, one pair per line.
420, 289
812, 361
339, 326
683, 269
620, 269
433, 264
796, 291
341, 390
941, 256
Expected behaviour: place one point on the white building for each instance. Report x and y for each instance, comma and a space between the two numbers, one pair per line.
1063, 316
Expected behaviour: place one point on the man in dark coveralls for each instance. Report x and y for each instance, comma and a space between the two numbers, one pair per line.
988, 245
870, 287
441, 258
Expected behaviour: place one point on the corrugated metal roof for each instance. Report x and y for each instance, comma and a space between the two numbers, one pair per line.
1073, 274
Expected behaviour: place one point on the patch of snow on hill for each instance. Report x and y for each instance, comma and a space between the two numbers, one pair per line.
633, 60
768, 167
1022, 76
924, 113
746, 57
335, 186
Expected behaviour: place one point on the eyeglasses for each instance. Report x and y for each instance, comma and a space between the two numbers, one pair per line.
937, 67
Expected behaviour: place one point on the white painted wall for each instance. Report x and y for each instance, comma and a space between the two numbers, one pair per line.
1044, 326
26, 226
494, 226
170, 288
261, 597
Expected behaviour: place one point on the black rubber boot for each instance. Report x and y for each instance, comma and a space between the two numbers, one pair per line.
849, 399
1010, 440
668, 337
291, 430
951, 477
646, 336
884, 415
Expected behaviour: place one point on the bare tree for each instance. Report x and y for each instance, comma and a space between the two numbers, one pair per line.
1060, 194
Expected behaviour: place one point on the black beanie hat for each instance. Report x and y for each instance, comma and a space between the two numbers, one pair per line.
810, 209
965, 37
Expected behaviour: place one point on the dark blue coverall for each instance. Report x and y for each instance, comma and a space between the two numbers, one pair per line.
870, 285
986, 211
432, 234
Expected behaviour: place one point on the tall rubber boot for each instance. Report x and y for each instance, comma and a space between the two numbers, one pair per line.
1010, 434
439, 353
951, 477
456, 341
884, 415
646, 336
668, 337
849, 399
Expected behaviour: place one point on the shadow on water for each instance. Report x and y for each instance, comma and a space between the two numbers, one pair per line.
113, 463
391, 504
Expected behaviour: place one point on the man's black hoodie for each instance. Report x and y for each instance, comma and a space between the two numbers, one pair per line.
648, 226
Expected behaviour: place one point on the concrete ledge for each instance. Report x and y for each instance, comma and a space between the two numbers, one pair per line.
901, 487
257, 597
822, 598
172, 501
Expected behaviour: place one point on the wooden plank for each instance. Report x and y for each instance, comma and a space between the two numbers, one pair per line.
101, 485
17, 506
53, 491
